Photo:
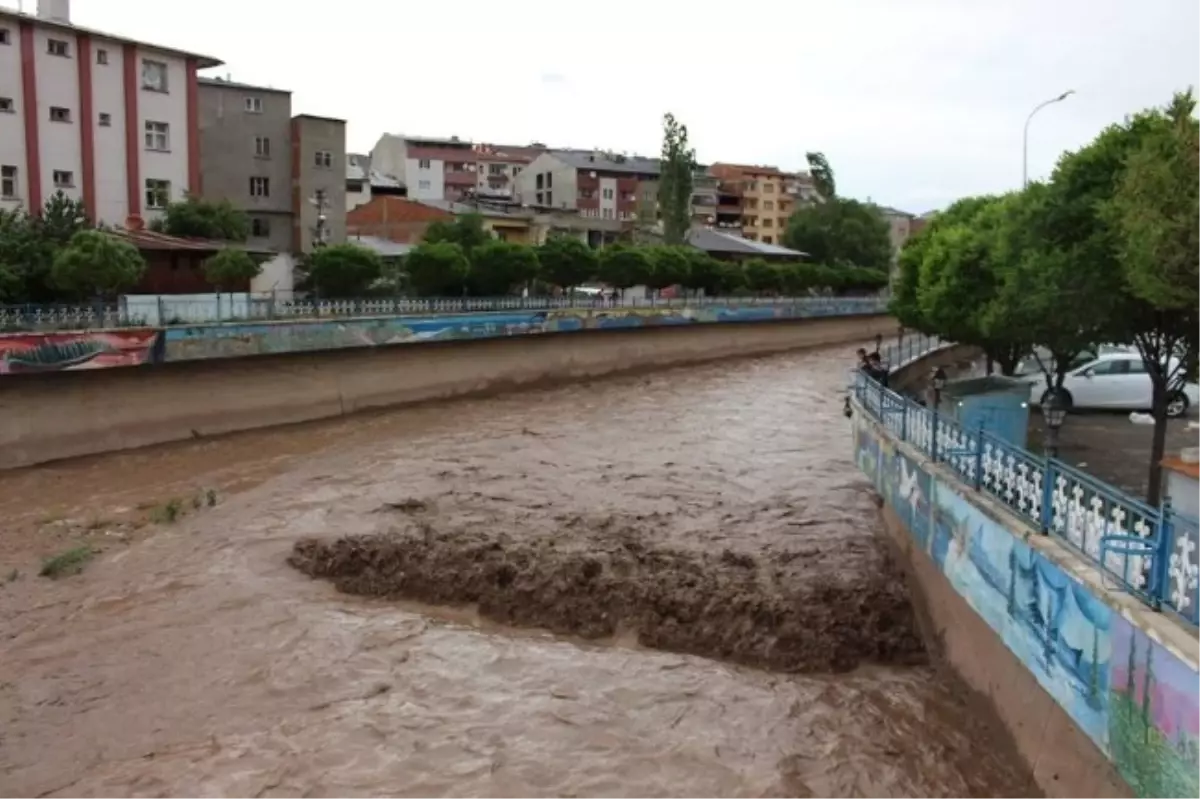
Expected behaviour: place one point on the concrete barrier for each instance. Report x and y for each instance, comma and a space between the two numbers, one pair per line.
1098, 692
55, 415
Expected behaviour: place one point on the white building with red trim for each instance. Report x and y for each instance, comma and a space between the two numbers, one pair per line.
108, 120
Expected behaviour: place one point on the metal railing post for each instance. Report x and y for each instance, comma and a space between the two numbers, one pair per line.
1047, 514
1162, 556
979, 458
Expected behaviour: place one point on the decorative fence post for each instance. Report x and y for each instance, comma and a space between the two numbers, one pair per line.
1048, 478
979, 458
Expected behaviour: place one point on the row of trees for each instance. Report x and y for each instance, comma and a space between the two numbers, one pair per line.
1106, 251
461, 257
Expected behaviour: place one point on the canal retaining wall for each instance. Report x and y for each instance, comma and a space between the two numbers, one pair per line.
1098, 690
50, 415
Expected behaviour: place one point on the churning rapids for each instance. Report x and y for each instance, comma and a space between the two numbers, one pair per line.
652, 585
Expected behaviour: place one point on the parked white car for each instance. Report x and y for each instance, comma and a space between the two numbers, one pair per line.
1115, 380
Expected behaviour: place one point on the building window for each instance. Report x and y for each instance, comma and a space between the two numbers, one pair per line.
158, 194
5, 36
8, 182
154, 75
63, 179
105, 120
254, 105
423, 184
608, 213
323, 158
549, 198
60, 114
6, 105
260, 187
423, 163
769, 188
260, 228
767, 240
540, 180
262, 147
540, 197
496, 169
768, 222
768, 205
101, 56
516, 171
158, 136
606, 194
549, 180
58, 47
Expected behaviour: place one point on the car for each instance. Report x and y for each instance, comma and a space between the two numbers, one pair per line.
1114, 380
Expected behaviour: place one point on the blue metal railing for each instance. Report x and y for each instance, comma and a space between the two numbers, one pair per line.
1149, 552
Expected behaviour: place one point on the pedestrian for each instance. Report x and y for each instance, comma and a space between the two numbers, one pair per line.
876, 369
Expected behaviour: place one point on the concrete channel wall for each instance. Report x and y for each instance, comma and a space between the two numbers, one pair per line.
1098, 691
47, 416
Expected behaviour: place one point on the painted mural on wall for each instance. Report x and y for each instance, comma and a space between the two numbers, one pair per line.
1132, 696
22, 353
232, 340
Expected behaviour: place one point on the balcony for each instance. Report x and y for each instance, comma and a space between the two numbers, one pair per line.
729, 208
459, 178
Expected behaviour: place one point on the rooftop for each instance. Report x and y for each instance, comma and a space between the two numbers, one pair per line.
150, 240
604, 161
385, 248
225, 83
714, 241
202, 61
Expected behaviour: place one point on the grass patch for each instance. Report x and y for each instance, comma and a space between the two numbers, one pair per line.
168, 512
66, 563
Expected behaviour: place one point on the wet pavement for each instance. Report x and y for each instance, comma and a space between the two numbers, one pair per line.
656, 585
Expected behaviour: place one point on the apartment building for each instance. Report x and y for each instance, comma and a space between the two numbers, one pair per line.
246, 155
318, 181
431, 168
103, 118
498, 165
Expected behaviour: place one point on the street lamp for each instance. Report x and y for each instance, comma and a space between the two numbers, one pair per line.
878, 341
1025, 138
938, 383
1054, 411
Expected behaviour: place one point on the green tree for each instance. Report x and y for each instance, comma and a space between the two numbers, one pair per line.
97, 264
438, 270
467, 231
498, 266
1152, 217
762, 277
566, 261
343, 270
675, 181
670, 265
29, 243
230, 268
622, 266
822, 175
197, 218
714, 277
841, 231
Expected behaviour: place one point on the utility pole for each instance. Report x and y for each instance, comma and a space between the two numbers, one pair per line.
320, 231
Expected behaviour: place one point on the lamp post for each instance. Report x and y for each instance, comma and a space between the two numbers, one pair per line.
1054, 412
878, 341
1025, 137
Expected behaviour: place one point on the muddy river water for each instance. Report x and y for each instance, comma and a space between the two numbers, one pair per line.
654, 585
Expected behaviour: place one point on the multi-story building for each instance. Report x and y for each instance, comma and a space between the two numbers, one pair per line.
431, 168
318, 181
497, 166
609, 191
105, 119
276, 167
768, 196
246, 155
706, 196
363, 182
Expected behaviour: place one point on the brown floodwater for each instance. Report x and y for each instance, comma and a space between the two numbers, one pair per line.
657, 585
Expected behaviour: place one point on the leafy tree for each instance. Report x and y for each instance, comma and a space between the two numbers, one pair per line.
197, 218
437, 270
822, 175
1153, 216
623, 266
230, 267
343, 270
841, 231
28, 244
714, 277
97, 264
669, 266
566, 261
467, 231
498, 266
762, 277
675, 181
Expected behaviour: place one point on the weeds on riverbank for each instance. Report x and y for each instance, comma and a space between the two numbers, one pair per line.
67, 563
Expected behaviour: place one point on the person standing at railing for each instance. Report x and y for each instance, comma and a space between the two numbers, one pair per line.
876, 370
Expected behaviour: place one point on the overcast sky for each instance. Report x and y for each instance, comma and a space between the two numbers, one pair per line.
915, 102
